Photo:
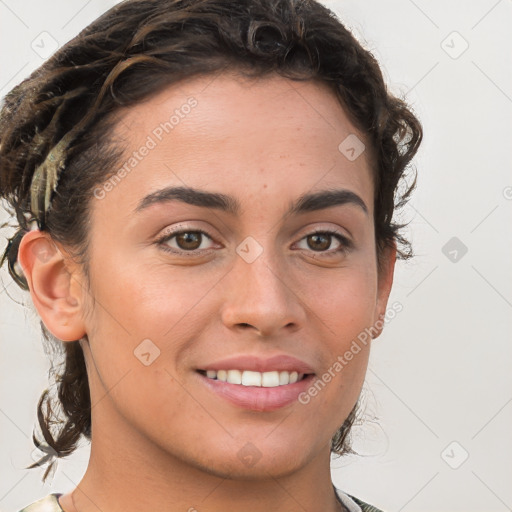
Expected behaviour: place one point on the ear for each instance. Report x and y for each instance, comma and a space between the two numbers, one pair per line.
385, 281
54, 287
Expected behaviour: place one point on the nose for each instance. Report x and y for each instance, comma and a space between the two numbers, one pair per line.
263, 297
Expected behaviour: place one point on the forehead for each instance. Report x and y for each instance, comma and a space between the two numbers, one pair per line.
233, 132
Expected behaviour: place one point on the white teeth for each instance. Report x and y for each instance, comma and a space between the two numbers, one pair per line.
258, 379
234, 377
270, 379
251, 378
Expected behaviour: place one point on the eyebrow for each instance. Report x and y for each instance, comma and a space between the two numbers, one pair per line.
305, 203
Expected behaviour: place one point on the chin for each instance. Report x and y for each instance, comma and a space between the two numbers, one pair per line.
261, 470
249, 462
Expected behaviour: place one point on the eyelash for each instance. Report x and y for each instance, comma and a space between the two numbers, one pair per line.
345, 246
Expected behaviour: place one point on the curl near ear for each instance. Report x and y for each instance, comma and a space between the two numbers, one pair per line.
54, 283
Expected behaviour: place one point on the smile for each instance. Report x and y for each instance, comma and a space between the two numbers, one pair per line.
256, 391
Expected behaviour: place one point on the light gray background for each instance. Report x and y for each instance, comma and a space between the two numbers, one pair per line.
440, 376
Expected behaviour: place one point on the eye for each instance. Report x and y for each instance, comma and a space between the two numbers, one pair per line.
192, 242
185, 241
320, 241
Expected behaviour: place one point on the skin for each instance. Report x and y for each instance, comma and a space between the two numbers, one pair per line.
161, 440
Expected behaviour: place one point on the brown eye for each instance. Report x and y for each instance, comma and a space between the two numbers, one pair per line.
189, 240
186, 241
319, 242
322, 242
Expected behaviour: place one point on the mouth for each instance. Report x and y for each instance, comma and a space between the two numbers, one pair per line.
249, 378
257, 391
253, 382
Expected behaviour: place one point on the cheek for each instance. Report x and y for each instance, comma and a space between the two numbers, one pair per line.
136, 339
148, 299
345, 311
345, 300
142, 321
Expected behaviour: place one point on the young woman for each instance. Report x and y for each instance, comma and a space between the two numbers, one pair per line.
204, 194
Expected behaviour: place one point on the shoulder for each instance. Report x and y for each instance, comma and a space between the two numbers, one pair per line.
49, 503
354, 504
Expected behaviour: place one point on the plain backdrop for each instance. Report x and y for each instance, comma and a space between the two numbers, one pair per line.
439, 384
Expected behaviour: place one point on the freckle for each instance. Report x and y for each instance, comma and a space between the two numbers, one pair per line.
264, 185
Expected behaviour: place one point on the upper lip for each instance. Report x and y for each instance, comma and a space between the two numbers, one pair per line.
280, 362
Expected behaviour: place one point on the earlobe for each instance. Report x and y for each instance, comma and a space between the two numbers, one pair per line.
51, 286
385, 281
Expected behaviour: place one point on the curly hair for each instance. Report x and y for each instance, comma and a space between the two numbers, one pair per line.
135, 50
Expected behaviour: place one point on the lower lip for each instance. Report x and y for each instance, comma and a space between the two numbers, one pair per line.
258, 398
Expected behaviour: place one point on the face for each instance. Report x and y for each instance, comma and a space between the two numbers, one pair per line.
256, 279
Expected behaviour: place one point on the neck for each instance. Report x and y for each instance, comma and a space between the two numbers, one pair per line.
128, 473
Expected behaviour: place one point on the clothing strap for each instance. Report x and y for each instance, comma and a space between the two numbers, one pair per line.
365, 507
